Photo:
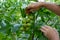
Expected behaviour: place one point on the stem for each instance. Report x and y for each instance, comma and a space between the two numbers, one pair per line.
33, 35
33, 27
34, 19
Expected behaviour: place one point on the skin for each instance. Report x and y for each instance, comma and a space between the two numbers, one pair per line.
49, 32
35, 6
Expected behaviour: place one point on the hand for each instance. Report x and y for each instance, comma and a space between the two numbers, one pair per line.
50, 33
33, 7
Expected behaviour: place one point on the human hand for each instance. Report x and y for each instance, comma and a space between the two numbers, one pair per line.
33, 7
50, 33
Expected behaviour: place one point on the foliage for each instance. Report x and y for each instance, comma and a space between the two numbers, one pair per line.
15, 24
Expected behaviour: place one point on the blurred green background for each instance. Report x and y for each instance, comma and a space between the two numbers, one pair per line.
15, 24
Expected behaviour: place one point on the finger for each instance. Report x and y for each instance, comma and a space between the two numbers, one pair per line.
32, 10
48, 27
29, 7
28, 10
44, 28
55, 30
44, 31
